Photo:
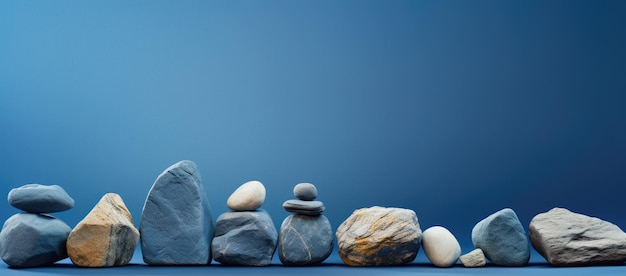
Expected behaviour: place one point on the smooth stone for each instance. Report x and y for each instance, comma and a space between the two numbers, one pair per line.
378, 236
248, 197
176, 223
502, 238
37, 198
305, 191
246, 238
565, 238
440, 246
29, 240
475, 258
305, 240
105, 237
302, 207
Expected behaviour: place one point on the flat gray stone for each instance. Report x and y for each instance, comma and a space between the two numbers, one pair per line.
502, 238
37, 198
565, 238
379, 236
245, 238
305, 191
176, 223
29, 240
305, 240
304, 207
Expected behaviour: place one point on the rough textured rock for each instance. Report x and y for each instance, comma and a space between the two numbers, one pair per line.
176, 223
379, 236
440, 246
475, 258
29, 240
245, 238
565, 238
305, 191
305, 240
37, 198
105, 237
502, 238
248, 197
304, 207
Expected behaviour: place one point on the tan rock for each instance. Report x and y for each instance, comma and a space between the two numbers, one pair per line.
105, 237
379, 236
475, 258
248, 197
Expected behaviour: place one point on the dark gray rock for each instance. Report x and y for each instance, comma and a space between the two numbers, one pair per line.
302, 207
502, 238
565, 238
305, 240
29, 240
305, 191
37, 198
245, 238
176, 223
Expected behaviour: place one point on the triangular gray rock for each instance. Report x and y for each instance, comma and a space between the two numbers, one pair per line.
176, 223
565, 238
502, 238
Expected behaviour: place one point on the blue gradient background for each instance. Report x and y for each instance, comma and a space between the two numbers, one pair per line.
454, 109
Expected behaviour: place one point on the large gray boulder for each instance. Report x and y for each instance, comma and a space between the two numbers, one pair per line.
305, 240
379, 236
37, 198
29, 240
245, 238
502, 238
176, 223
565, 238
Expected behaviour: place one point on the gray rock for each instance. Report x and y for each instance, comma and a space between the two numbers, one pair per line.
379, 236
305, 240
475, 258
29, 240
305, 191
176, 223
565, 238
302, 207
245, 238
502, 238
37, 198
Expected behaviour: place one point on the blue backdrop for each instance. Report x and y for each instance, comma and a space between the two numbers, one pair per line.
454, 109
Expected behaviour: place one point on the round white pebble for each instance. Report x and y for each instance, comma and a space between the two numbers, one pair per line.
248, 197
440, 246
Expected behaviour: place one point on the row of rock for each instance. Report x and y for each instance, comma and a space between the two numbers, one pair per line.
391, 236
177, 228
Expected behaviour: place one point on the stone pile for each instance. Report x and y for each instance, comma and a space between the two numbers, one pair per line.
176, 223
35, 238
306, 237
247, 235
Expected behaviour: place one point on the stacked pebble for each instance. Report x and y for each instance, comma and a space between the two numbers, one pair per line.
306, 237
35, 238
247, 235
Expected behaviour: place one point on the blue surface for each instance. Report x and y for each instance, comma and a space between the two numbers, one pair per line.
332, 266
455, 109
